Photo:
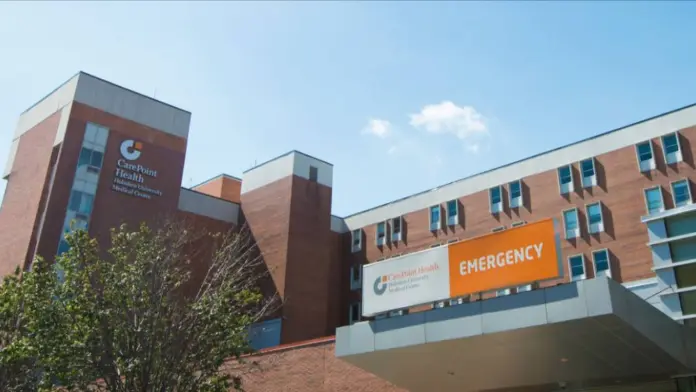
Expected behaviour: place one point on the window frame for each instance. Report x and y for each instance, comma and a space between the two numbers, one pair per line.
571, 184
594, 261
315, 177
383, 238
594, 173
647, 204
679, 156
505, 292
515, 202
355, 284
570, 267
601, 217
357, 304
358, 247
527, 287
397, 236
651, 161
499, 203
434, 226
688, 189
577, 223
455, 217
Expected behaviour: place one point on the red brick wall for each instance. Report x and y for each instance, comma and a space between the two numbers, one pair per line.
23, 194
309, 367
223, 187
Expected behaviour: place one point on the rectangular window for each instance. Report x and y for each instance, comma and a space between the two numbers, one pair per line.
601, 263
576, 265
435, 220
397, 313
522, 289
653, 200
681, 193
595, 220
396, 229
356, 240
355, 276
570, 222
496, 198
515, 194
86, 203
439, 305
452, 212
565, 179
672, 148
457, 301
354, 313
646, 158
497, 229
313, 173
502, 293
75, 200
381, 236
589, 176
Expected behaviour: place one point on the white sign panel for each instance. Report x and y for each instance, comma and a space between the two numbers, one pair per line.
406, 281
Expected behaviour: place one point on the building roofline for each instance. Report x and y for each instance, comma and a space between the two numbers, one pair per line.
215, 178
521, 160
105, 81
284, 155
214, 197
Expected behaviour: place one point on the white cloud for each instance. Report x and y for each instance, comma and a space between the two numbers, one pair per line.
446, 117
379, 128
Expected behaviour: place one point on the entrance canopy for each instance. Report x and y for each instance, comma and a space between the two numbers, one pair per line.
584, 334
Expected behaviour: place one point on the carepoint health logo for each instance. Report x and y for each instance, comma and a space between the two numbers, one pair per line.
130, 149
380, 285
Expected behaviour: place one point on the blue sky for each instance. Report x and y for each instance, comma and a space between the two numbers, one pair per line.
399, 96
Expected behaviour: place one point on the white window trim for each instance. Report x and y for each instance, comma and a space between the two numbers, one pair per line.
457, 301
518, 203
571, 187
438, 226
594, 171
570, 268
601, 216
356, 284
356, 248
350, 312
456, 212
499, 205
594, 262
688, 188
679, 146
396, 237
651, 166
645, 198
386, 233
577, 221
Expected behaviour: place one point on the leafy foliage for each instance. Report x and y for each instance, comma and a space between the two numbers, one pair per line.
161, 310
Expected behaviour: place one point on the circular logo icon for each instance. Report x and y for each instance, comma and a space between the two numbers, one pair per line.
130, 149
379, 287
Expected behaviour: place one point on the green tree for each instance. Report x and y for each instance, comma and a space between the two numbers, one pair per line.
160, 310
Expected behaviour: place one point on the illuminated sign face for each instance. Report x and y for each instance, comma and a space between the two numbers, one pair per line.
510, 258
131, 178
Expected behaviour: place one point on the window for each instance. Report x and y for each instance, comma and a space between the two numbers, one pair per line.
502, 293
577, 267
457, 301
355, 276
518, 223
653, 200
62, 247
354, 313
672, 148
439, 305
570, 222
497, 229
452, 212
396, 229
681, 193
601, 263
595, 221
522, 289
313, 173
515, 194
81, 202
565, 179
435, 218
356, 240
381, 237
589, 177
496, 197
90, 157
397, 313
646, 158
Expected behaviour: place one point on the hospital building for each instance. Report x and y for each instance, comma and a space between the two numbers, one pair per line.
574, 269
